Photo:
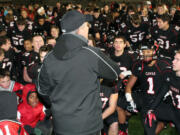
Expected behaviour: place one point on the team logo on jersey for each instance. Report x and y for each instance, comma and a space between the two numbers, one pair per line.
163, 37
150, 73
139, 68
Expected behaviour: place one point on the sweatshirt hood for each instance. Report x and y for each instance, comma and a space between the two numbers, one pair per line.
8, 105
28, 88
68, 45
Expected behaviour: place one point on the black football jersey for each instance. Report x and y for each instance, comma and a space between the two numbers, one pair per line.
124, 62
167, 40
25, 57
32, 58
8, 60
8, 26
146, 20
135, 35
105, 93
174, 87
150, 78
153, 18
17, 37
29, 24
33, 70
42, 30
97, 25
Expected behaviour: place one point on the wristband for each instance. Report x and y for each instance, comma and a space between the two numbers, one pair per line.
128, 97
126, 73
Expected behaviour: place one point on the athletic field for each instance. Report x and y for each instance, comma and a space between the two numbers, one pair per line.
136, 128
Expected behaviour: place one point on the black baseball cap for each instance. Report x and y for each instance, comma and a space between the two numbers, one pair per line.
73, 19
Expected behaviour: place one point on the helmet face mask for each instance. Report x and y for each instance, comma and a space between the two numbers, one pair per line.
147, 54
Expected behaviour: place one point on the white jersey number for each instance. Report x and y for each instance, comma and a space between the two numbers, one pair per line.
151, 86
178, 98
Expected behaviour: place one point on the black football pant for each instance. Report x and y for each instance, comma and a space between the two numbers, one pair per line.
167, 113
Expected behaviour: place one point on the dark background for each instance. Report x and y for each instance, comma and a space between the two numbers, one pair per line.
83, 2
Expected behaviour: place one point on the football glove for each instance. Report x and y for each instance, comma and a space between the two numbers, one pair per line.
150, 117
131, 107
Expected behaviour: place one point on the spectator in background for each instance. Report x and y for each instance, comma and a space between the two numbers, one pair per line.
54, 32
58, 9
29, 22
31, 13
2, 30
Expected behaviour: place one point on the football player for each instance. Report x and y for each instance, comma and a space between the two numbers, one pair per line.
149, 72
166, 36
167, 112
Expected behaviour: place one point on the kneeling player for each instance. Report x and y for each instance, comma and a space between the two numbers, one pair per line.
109, 97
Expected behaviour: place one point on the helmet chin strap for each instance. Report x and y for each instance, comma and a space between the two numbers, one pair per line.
147, 62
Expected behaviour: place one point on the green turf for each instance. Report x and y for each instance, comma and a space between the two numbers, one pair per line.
136, 128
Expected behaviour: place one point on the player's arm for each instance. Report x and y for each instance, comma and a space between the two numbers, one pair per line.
112, 106
26, 76
128, 90
132, 80
163, 90
166, 72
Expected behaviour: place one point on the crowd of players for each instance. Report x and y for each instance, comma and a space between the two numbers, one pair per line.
142, 39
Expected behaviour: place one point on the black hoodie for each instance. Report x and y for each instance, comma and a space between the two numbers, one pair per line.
70, 77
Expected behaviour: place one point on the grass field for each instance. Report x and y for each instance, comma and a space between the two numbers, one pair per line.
136, 128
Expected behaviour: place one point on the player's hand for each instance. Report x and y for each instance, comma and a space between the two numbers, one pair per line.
125, 73
131, 107
150, 117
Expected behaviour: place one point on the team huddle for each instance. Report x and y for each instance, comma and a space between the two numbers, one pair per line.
144, 42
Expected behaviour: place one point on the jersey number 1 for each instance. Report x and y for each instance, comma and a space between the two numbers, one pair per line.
151, 86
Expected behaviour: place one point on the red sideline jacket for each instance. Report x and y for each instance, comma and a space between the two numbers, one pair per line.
26, 113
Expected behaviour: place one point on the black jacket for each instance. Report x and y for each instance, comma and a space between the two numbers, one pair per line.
70, 76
